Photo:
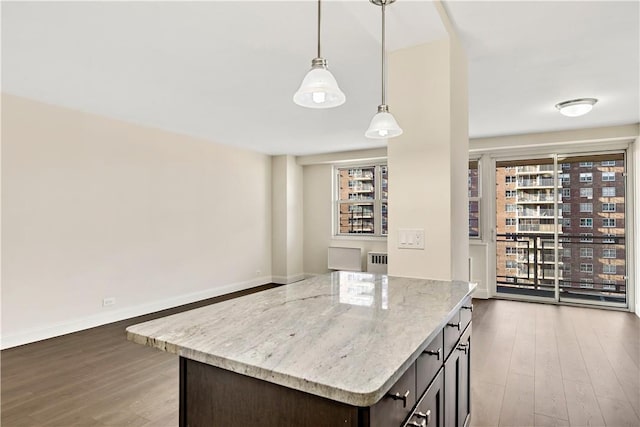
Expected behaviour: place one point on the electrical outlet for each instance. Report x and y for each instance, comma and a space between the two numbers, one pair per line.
106, 302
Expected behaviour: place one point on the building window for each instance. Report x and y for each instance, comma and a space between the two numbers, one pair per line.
510, 179
511, 264
609, 222
566, 222
566, 193
586, 268
586, 164
566, 252
586, 192
586, 177
510, 221
474, 193
586, 207
608, 176
586, 237
608, 207
586, 222
362, 200
608, 191
586, 283
586, 252
609, 285
608, 163
609, 269
566, 208
510, 194
566, 178
608, 253
509, 208
510, 250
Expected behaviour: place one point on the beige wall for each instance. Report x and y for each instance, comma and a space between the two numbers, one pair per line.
287, 215
318, 233
95, 208
427, 162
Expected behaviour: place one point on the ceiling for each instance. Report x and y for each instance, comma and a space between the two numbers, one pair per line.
226, 71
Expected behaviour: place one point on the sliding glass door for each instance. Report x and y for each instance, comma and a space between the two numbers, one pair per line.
560, 229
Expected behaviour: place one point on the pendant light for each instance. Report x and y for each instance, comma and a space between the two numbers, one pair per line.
319, 89
383, 125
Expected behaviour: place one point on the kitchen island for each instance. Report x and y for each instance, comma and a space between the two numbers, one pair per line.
345, 348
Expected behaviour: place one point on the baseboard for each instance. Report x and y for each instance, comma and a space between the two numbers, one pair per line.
67, 327
285, 280
481, 293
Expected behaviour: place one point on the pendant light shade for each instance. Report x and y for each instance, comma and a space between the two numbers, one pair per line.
383, 125
319, 89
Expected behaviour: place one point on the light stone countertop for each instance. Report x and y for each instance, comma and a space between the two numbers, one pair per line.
344, 336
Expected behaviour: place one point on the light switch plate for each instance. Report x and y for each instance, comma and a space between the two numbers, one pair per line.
411, 238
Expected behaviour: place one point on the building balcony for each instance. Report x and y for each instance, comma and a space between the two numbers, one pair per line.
537, 183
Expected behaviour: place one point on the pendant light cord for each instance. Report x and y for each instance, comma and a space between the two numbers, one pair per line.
319, 12
384, 74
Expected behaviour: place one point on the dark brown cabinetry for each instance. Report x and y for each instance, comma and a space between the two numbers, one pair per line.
433, 392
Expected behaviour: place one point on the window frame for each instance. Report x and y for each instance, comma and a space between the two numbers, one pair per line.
377, 200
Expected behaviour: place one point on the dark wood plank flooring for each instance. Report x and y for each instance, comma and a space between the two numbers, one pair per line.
532, 364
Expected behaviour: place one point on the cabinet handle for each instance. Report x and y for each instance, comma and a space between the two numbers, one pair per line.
403, 397
454, 325
468, 307
463, 346
426, 416
437, 353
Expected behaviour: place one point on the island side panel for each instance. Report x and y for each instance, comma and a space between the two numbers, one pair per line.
212, 397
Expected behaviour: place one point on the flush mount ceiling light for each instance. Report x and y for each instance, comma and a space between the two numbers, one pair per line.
319, 89
576, 107
383, 125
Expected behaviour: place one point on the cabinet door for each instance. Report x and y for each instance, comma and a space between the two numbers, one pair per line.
429, 363
457, 384
430, 409
396, 405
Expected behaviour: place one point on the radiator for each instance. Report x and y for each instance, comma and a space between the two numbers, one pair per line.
377, 262
348, 259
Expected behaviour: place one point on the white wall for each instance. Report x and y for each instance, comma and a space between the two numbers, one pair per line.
94, 208
318, 235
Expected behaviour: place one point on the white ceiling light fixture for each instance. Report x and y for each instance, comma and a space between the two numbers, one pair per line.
383, 125
319, 89
576, 107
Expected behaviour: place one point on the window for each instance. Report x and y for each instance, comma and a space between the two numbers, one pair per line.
510, 250
586, 207
608, 286
586, 222
509, 208
566, 252
510, 221
566, 166
586, 192
566, 222
586, 268
608, 163
509, 179
566, 178
608, 191
474, 198
609, 238
586, 252
608, 253
608, 207
586, 237
608, 176
362, 200
510, 264
566, 193
586, 177
509, 194
566, 208
609, 269
608, 222
586, 164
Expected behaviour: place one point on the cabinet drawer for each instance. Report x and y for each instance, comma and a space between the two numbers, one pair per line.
430, 410
451, 333
394, 407
465, 313
428, 363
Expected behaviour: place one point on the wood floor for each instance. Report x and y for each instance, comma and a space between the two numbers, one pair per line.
546, 365
532, 364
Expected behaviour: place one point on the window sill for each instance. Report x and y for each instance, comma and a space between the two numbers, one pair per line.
365, 238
